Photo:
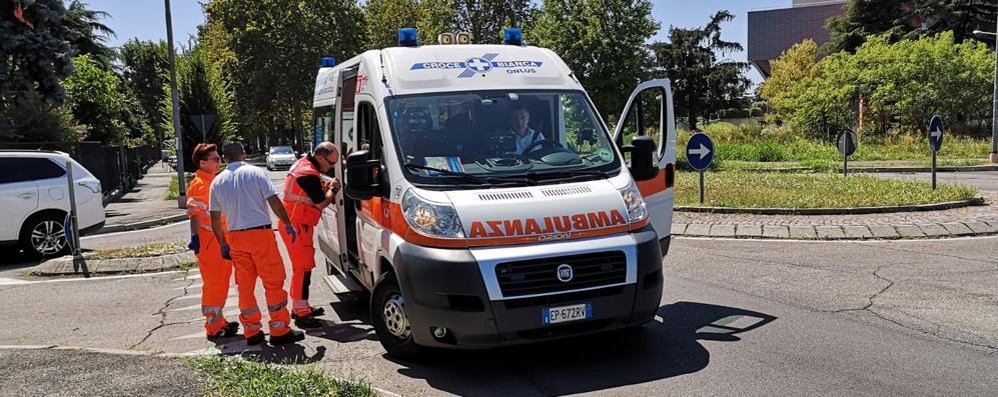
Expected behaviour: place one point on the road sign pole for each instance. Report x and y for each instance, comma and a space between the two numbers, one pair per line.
701, 186
74, 227
845, 165
933, 170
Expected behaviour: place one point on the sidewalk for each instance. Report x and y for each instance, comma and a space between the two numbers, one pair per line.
145, 206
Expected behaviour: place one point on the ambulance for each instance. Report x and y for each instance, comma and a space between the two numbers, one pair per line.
485, 202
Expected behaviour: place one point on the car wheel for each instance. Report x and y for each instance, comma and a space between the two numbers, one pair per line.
391, 323
44, 237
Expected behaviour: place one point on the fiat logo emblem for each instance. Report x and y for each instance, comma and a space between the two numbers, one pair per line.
565, 273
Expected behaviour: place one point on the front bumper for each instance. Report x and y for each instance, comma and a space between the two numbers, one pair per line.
452, 294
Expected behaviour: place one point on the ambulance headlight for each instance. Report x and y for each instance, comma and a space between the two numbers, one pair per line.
636, 209
431, 219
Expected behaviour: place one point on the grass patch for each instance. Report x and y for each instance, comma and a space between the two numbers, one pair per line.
172, 190
739, 189
141, 251
240, 377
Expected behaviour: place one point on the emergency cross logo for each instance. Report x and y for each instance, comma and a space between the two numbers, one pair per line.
482, 65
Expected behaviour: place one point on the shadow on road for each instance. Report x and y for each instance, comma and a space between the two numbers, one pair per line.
659, 350
14, 259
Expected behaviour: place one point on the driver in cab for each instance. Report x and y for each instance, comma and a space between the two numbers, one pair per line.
526, 137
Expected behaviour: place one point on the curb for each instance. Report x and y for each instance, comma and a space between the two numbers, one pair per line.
67, 266
140, 225
973, 201
879, 170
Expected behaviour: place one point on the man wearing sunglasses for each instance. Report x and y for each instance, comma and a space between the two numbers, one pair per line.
305, 195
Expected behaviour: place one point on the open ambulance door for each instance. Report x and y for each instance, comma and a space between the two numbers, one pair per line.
334, 216
648, 112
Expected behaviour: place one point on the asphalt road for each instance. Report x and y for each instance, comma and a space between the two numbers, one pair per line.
985, 180
738, 317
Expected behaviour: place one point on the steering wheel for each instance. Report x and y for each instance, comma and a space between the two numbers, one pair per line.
544, 147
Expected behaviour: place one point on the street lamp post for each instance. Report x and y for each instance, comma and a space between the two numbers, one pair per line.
994, 99
181, 181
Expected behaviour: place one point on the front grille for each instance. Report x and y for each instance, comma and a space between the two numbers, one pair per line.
539, 276
551, 300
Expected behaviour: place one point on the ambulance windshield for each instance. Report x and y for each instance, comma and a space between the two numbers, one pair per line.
488, 135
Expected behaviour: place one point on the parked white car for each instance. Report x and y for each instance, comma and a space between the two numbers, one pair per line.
34, 201
280, 157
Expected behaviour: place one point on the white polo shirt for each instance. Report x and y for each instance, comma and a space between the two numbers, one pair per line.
240, 192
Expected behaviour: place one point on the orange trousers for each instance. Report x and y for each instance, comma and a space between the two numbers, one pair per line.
215, 275
255, 254
302, 254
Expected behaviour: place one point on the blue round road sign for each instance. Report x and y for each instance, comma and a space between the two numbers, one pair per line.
936, 133
700, 151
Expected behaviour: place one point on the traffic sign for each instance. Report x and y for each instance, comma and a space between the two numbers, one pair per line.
936, 133
847, 142
700, 151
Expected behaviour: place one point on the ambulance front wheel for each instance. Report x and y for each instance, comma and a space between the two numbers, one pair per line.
391, 322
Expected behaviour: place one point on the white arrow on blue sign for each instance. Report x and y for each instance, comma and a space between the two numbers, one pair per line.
700, 151
936, 133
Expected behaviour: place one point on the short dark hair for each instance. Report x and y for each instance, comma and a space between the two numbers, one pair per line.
518, 107
232, 151
201, 152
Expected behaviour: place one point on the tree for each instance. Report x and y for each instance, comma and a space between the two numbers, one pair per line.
145, 65
899, 84
383, 19
31, 118
601, 41
97, 100
907, 19
35, 54
701, 84
273, 89
484, 19
89, 33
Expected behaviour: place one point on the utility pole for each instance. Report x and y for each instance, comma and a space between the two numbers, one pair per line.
181, 181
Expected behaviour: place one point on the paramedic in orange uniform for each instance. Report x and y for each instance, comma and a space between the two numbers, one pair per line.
215, 271
243, 192
305, 195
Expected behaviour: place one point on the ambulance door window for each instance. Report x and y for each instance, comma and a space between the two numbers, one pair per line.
645, 117
347, 110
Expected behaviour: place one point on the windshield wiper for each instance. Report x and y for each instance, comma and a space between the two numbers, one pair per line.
483, 179
567, 175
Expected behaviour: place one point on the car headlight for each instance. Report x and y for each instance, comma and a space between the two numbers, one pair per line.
430, 218
636, 210
94, 186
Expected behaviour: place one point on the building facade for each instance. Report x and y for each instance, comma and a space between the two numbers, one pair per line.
770, 32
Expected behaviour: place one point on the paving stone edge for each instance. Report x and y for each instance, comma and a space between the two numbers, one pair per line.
973, 201
66, 266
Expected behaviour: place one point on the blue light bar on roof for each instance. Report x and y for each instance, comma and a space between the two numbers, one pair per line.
512, 36
328, 62
408, 37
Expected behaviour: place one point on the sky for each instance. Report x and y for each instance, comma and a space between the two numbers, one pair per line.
145, 19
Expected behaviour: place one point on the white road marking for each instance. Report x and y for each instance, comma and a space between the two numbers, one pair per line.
195, 335
232, 294
189, 277
197, 307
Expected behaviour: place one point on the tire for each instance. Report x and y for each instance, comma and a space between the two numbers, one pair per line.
394, 334
43, 236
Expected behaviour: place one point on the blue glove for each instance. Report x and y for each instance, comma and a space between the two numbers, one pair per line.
195, 244
225, 253
290, 229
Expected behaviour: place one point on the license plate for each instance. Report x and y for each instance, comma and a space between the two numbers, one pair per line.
555, 315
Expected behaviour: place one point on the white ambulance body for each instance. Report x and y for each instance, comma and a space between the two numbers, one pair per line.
469, 236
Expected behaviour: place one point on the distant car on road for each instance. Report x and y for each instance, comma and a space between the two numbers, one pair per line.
34, 201
280, 157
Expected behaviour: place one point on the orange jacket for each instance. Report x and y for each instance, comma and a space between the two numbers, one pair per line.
198, 197
299, 205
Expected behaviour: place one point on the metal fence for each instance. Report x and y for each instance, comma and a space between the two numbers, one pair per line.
118, 168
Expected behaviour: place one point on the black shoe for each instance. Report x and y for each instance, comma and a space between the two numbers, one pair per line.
231, 329
308, 322
290, 337
316, 312
255, 339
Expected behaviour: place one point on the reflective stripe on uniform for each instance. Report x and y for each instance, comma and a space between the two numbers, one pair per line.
253, 326
249, 312
277, 307
197, 203
295, 198
278, 324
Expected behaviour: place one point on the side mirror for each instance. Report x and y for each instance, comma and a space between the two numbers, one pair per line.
361, 176
642, 150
